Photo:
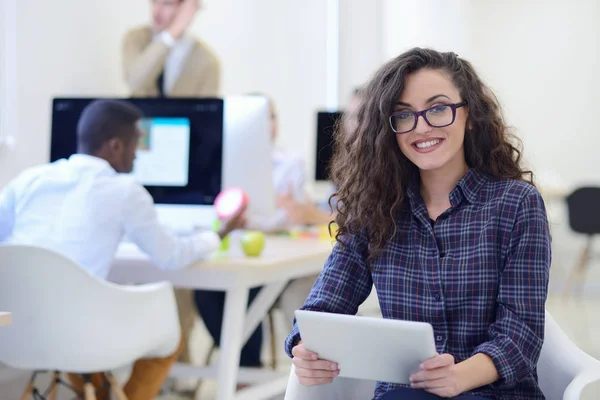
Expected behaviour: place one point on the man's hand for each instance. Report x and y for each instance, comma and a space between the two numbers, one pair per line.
185, 15
439, 376
236, 221
310, 370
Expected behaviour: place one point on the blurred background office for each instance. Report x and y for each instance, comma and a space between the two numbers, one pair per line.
540, 57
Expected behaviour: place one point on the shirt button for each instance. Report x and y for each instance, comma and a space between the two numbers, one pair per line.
439, 338
437, 296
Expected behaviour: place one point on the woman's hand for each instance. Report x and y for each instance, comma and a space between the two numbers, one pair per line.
311, 370
439, 376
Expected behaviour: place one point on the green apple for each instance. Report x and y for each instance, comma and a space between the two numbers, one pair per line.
253, 243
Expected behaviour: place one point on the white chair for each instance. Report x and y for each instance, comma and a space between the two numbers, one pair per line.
563, 371
66, 320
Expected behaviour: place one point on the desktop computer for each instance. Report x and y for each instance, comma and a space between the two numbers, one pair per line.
179, 156
247, 156
189, 151
327, 122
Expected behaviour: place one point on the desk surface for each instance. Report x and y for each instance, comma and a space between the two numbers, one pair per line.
278, 252
5, 318
282, 259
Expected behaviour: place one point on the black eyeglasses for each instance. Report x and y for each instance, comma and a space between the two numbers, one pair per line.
437, 116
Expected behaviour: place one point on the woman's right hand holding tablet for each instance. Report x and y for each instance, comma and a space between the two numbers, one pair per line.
310, 369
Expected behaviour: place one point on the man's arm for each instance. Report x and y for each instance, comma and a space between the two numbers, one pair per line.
167, 251
517, 334
143, 63
7, 212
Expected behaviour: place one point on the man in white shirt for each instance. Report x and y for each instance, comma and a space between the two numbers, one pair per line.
83, 207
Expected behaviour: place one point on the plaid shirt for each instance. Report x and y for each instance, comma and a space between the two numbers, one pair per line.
479, 275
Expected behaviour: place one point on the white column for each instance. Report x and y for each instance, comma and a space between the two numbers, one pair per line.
8, 73
361, 45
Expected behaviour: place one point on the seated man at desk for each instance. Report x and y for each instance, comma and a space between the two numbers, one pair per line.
82, 207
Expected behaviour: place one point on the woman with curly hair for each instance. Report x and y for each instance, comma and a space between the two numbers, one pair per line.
436, 211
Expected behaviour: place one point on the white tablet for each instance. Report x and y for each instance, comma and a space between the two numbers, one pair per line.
377, 349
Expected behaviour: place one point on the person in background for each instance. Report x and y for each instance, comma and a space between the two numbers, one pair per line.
165, 60
83, 206
438, 213
307, 212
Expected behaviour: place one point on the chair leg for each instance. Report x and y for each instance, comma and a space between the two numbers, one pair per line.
115, 386
212, 350
88, 388
29, 388
273, 340
578, 270
55, 382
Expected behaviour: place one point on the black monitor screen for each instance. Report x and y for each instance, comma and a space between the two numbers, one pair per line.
326, 124
179, 156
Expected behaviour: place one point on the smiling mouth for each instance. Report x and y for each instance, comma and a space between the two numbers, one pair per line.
426, 144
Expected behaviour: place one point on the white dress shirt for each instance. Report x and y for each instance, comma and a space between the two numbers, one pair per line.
180, 49
82, 208
289, 175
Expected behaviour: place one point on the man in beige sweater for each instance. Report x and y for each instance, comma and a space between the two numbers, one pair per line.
164, 60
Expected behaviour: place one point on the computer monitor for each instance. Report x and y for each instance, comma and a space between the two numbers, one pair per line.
179, 156
247, 155
326, 125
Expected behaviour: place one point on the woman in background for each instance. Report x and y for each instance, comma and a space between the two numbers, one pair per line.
307, 212
435, 210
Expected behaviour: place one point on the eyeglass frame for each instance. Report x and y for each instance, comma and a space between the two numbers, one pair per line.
422, 113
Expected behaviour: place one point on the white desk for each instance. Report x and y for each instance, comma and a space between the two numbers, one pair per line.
5, 318
282, 260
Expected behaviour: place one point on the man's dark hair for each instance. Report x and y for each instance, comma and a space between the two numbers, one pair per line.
103, 120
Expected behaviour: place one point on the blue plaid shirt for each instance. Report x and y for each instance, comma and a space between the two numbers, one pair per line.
479, 275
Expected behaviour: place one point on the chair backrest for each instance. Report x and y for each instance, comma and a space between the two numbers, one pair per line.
560, 362
583, 210
66, 319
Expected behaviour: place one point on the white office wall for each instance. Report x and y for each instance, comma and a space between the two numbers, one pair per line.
279, 48
440, 24
361, 46
72, 48
542, 58
64, 47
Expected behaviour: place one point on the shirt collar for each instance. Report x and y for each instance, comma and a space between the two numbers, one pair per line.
467, 188
88, 161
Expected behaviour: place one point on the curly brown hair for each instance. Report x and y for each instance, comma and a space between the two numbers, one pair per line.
371, 173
